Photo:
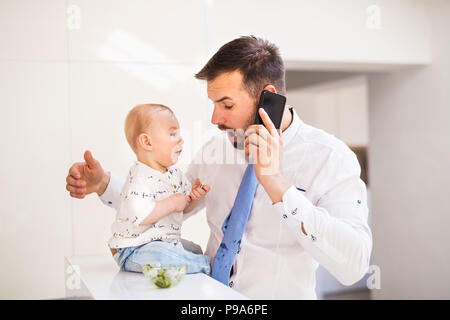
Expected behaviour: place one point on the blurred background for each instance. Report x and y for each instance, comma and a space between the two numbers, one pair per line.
376, 74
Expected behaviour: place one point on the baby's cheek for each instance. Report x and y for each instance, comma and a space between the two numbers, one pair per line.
170, 154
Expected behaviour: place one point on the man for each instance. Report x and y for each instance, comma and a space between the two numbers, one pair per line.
309, 207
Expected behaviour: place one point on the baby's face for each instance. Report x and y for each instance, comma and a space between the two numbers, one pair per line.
166, 139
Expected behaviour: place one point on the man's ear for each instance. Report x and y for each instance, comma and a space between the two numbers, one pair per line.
270, 88
145, 142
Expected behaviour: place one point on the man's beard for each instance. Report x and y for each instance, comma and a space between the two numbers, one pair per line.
237, 136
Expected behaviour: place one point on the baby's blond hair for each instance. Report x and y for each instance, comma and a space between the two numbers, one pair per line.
139, 119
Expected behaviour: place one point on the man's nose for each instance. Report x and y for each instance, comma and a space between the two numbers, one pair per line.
216, 117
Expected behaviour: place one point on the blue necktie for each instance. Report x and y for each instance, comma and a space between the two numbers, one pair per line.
234, 226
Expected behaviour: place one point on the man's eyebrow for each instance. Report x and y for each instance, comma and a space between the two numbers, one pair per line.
173, 128
223, 98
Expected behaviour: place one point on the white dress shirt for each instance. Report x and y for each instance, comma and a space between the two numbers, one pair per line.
276, 259
142, 188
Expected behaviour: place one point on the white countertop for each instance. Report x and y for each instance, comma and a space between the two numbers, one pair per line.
100, 278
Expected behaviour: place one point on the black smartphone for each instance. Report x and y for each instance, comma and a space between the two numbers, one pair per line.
273, 104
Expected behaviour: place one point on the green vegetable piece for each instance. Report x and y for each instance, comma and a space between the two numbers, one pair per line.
164, 277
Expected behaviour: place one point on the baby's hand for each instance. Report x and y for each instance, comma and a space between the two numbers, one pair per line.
180, 201
199, 190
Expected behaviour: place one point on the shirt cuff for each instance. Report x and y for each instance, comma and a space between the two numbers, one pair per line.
111, 194
295, 209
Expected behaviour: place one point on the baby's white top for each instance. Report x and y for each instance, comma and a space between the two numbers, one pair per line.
142, 188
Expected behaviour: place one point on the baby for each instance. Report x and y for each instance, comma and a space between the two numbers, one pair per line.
155, 196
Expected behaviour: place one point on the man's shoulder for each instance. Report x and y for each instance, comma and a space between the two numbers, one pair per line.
321, 144
329, 157
319, 139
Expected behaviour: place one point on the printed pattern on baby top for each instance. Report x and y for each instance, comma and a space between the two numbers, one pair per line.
142, 188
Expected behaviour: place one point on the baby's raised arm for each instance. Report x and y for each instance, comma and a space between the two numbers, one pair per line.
198, 191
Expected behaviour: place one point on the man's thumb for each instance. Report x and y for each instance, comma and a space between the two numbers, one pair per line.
90, 161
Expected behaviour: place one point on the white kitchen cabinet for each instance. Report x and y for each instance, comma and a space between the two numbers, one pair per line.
338, 107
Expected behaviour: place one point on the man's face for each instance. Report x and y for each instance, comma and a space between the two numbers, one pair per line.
234, 108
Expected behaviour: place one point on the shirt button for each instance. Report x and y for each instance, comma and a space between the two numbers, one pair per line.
359, 201
109, 202
313, 238
284, 216
231, 284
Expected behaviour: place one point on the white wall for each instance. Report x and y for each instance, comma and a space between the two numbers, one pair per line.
339, 107
410, 181
329, 34
35, 223
65, 90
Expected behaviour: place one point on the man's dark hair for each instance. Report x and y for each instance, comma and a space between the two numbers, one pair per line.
257, 59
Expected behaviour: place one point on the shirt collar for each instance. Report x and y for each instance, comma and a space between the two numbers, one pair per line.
291, 131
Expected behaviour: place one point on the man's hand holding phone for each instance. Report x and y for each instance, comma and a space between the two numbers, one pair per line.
265, 145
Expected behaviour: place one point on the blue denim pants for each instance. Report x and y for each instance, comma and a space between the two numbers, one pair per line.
164, 253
